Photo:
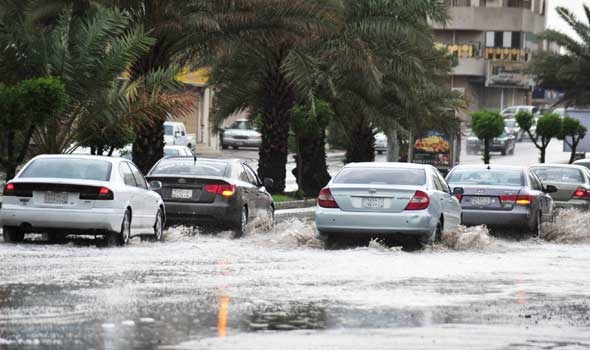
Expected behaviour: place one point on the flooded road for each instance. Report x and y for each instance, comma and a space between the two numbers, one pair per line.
283, 289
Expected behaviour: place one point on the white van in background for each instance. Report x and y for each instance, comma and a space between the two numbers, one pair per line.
175, 134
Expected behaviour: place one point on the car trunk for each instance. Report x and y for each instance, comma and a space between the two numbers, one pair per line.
73, 194
192, 189
565, 191
375, 198
487, 198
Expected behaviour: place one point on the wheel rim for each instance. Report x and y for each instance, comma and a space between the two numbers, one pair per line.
244, 220
158, 227
126, 229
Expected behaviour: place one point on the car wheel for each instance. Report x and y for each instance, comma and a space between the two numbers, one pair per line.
432, 238
503, 152
158, 229
121, 238
242, 224
12, 235
235, 147
224, 146
537, 230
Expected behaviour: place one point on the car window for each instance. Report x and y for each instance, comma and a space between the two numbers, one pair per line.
69, 168
127, 175
510, 111
437, 184
558, 174
252, 178
586, 164
241, 124
493, 177
510, 123
139, 179
188, 166
535, 182
168, 130
170, 152
242, 175
384, 176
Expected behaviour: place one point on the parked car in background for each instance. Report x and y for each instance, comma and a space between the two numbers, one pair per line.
504, 144
583, 162
63, 195
178, 151
502, 196
240, 134
224, 192
380, 143
572, 183
175, 134
387, 199
511, 128
510, 112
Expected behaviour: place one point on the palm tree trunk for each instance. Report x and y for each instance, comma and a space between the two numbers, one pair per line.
312, 165
393, 146
148, 147
361, 146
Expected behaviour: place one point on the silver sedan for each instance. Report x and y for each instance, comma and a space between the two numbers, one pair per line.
366, 199
505, 196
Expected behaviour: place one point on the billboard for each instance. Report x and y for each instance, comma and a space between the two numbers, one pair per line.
583, 115
433, 148
507, 74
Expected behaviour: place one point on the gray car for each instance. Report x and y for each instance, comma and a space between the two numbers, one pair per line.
222, 192
395, 199
503, 196
504, 144
572, 182
240, 134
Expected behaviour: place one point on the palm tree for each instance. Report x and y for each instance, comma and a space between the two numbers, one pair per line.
569, 70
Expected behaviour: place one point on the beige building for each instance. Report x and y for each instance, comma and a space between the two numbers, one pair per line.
492, 41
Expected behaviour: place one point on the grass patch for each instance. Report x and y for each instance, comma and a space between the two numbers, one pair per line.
287, 197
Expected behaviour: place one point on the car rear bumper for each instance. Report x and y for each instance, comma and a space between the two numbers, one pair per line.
31, 219
416, 223
519, 217
179, 213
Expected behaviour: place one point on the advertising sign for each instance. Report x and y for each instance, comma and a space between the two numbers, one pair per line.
433, 148
583, 115
507, 74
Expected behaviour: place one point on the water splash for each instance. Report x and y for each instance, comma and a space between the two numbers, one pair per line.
468, 238
292, 233
570, 226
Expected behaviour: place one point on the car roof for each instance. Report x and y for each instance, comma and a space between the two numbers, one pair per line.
81, 156
490, 167
386, 165
202, 159
582, 161
173, 122
554, 165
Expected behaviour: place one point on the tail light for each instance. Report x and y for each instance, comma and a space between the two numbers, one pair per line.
9, 190
326, 200
105, 194
581, 193
516, 199
419, 201
225, 190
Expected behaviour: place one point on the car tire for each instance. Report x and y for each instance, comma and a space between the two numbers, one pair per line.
158, 234
242, 225
121, 238
12, 235
537, 229
504, 152
224, 146
235, 147
434, 237
328, 239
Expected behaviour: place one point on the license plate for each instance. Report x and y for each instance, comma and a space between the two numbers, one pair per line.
56, 197
373, 203
481, 201
182, 194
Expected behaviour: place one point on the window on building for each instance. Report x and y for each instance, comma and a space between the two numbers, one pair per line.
458, 3
516, 40
498, 39
525, 4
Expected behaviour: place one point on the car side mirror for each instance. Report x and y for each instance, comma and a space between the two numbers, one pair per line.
550, 189
268, 183
155, 185
458, 191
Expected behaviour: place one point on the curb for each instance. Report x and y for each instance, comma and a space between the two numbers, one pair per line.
298, 213
304, 203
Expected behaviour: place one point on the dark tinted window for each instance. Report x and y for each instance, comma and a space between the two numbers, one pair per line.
385, 176
190, 167
554, 174
493, 177
241, 124
69, 168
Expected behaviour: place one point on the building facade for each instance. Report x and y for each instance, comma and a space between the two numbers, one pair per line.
492, 41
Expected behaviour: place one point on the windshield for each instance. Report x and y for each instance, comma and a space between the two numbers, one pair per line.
510, 123
170, 152
563, 175
381, 176
189, 167
168, 130
242, 125
493, 177
69, 168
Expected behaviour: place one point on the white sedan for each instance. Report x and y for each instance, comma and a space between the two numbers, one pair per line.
61, 195
388, 199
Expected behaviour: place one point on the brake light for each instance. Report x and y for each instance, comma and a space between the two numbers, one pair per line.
224, 190
516, 199
581, 193
9, 190
326, 200
419, 201
105, 194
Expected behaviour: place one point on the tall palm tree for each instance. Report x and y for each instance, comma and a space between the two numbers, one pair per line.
568, 70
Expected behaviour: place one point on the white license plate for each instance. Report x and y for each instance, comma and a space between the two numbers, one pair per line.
182, 194
482, 201
56, 197
373, 203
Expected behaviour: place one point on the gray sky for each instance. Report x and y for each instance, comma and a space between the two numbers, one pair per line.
553, 20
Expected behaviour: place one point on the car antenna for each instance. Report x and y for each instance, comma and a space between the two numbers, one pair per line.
489, 168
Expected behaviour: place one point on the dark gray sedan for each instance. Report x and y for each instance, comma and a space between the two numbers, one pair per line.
502, 196
223, 192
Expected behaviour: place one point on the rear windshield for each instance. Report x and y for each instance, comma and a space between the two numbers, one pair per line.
381, 176
587, 165
69, 168
189, 167
170, 152
493, 177
168, 129
564, 175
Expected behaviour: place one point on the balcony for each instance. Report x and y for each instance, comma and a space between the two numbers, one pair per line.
480, 18
506, 54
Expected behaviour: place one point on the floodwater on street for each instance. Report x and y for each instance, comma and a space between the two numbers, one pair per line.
283, 289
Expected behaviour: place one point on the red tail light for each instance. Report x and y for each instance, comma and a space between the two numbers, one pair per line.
105, 194
516, 199
326, 200
225, 190
581, 193
420, 201
9, 190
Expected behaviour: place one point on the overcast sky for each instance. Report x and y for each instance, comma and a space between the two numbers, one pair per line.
553, 20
